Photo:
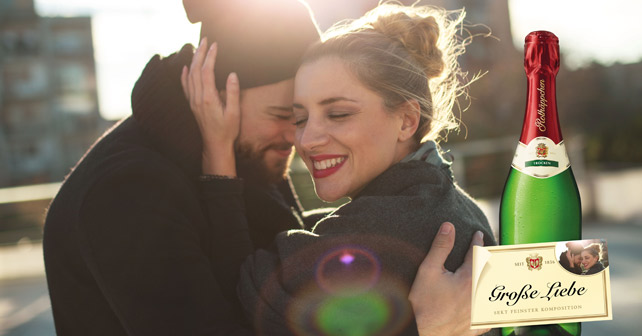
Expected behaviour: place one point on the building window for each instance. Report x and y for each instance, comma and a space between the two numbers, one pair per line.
25, 117
25, 80
73, 77
76, 103
20, 41
9, 40
72, 42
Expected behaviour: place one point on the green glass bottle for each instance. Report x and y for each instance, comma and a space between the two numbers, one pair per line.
540, 202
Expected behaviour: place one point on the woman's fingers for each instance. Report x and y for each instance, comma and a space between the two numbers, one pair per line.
210, 94
218, 120
184, 79
195, 82
233, 92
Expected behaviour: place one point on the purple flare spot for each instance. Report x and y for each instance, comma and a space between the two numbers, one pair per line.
347, 258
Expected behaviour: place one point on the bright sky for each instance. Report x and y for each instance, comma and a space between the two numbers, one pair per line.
589, 30
128, 32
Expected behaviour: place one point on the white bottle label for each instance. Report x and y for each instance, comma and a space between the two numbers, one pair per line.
541, 158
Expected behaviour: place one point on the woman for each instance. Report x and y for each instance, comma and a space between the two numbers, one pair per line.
591, 259
364, 101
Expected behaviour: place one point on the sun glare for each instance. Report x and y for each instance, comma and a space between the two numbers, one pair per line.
128, 33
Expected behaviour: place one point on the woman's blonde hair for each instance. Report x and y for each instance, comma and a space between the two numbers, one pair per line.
594, 249
404, 53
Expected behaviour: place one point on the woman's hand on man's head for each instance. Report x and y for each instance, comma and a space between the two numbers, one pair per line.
218, 121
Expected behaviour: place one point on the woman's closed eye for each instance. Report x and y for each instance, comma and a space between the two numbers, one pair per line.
335, 116
299, 121
339, 115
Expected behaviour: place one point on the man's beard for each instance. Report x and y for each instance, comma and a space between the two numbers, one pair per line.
251, 165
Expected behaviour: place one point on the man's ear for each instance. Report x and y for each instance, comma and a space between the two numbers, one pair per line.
410, 114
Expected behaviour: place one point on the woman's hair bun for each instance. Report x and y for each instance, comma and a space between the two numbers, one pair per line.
418, 34
404, 54
595, 247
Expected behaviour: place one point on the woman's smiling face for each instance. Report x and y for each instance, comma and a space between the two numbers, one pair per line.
344, 133
588, 260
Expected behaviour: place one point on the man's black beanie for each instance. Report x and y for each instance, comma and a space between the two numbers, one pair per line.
261, 40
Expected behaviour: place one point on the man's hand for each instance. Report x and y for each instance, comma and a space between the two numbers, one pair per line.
440, 298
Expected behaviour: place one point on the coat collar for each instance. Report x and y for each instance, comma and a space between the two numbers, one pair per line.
162, 112
404, 175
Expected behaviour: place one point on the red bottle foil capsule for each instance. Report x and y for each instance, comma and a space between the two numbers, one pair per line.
541, 62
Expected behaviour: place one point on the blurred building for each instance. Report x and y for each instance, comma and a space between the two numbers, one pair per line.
48, 99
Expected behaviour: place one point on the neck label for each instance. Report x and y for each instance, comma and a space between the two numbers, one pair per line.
540, 122
541, 158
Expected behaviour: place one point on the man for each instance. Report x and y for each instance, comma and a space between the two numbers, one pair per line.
127, 242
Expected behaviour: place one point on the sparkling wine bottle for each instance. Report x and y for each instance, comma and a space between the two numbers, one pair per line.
540, 202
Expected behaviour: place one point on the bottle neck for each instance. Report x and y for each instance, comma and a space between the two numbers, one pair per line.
541, 118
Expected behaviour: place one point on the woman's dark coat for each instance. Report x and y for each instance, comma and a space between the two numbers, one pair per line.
595, 268
366, 252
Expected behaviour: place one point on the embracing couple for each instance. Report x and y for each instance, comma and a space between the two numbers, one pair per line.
181, 220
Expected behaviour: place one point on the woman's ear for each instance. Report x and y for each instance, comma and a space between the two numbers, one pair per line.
410, 114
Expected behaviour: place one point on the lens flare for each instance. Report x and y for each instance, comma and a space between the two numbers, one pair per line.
347, 258
355, 291
348, 269
357, 315
383, 310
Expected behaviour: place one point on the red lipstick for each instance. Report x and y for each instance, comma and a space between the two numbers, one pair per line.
318, 172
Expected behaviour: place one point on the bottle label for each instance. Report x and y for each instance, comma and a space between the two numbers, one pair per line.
541, 158
539, 284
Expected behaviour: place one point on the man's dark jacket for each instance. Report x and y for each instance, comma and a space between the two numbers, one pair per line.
127, 240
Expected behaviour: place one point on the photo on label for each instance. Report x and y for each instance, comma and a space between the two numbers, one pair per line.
583, 257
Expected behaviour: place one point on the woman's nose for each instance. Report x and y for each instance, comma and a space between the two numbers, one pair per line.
312, 136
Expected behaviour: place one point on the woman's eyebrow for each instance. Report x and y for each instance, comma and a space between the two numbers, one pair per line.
331, 100
326, 101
